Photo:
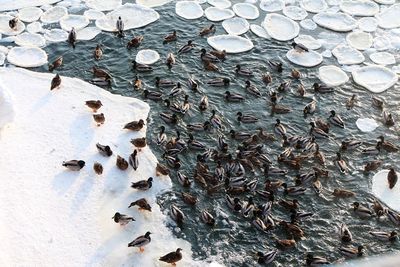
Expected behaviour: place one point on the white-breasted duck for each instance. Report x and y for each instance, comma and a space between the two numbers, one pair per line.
141, 241
122, 219
74, 165
133, 160
153, 95
143, 185
187, 47
104, 150
243, 72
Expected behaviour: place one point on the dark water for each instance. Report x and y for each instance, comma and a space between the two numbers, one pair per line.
233, 240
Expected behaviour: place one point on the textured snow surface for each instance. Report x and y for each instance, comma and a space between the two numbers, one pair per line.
381, 190
54, 14
236, 26
6, 108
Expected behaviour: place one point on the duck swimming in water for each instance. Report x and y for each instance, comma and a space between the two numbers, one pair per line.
98, 52
141, 67
275, 65
170, 37
187, 47
219, 82
56, 63
72, 37
170, 60
244, 72
335, 119
207, 30
252, 89
135, 41
219, 54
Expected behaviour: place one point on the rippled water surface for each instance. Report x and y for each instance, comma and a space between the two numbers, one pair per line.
233, 240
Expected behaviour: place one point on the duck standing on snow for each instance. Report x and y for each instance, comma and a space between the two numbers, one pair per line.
142, 204
55, 82
299, 47
99, 118
121, 163
98, 168
13, 23
72, 37
94, 105
141, 241
134, 125
392, 178
143, 184
122, 219
133, 160
74, 165
172, 257
56, 63
104, 150
120, 26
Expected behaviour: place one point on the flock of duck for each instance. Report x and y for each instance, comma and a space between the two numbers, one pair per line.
249, 179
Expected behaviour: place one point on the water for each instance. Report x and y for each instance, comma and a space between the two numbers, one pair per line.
233, 240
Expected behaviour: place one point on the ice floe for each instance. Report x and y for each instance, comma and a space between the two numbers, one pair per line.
314, 6
147, 56
382, 58
189, 9
3, 50
295, 12
340, 22
375, 78
5, 28
280, 27
18, 4
54, 14
366, 125
153, 3
30, 39
368, 24
272, 5
380, 189
27, 57
385, 2
218, 14
236, 26
327, 53
359, 7
332, 75
87, 33
230, 43
29, 14
359, 40
309, 41
56, 35
246, 10
308, 24
73, 21
347, 55
133, 16
103, 5
93, 14
220, 3
259, 31
382, 43
389, 18
305, 59
2, 58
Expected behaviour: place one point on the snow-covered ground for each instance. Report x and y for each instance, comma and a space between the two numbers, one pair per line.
52, 216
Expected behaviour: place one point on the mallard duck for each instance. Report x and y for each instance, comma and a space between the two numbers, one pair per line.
252, 89
233, 97
267, 257
284, 86
176, 214
94, 105
219, 54
120, 26
104, 150
141, 67
351, 101
322, 88
164, 83
169, 118
99, 118
385, 236
289, 204
292, 229
247, 208
72, 37
139, 142
296, 73
137, 83
56, 63
244, 72
335, 119
55, 82
286, 243
352, 252
98, 168
100, 82
378, 208
141, 241
338, 192
293, 190
203, 103
377, 102
194, 144
340, 163
310, 108
170, 37
189, 199
275, 65
388, 118
315, 261
393, 216
177, 90
389, 147
345, 234
279, 129
266, 78
219, 82
372, 150
259, 224
319, 156
173, 162
207, 218
208, 57
133, 160
143, 184
350, 144
392, 178
74, 165
100, 73
135, 41
183, 179
161, 170
207, 30
142, 204
323, 125
13, 23
122, 219
361, 210
187, 47
301, 90
161, 137
121, 163
246, 118
273, 172
317, 132
98, 52
372, 165
134, 125
210, 66
172, 257
155, 96
170, 60
300, 48
234, 204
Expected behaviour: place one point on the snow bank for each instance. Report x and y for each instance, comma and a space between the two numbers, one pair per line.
381, 190
6, 107
52, 215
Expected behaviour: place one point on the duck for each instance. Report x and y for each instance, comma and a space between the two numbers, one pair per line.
208, 57
135, 41
183, 179
389, 147
194, 144
248, 208
153, 95
170, 60
141, 241
199, 126
104, 150
121, 163
55, 82
323, 125
317, 132
377, 102
233, 97
170, 37
189, 199
161, 137
239, 135
300, 48
173, 162
207, 218
134, 125
56, 63
286, 243
193, 85
322, 88
246, 118
244, 72
169, 118
137, 83
98, 52
301, 90
142, 204
120, 26
293, 229
207, 30
203, 103
373, 150
252, 89
289, 204
266, 78
293, 190
350, 144
139, 142
234, 204
74, 165
296, 73
361, 210
345, 234
372, 165
221, 55
340, 163
172, 257
99, 118
219, 82
350, 103
133, 160
378, 208
143, 185
141, 67
164, 82
187, 47
284, 86
392, 178
385, 236
275, 65
13, 23
98, 168
72, 37
310, 108
161, 170
100, 73
210, 66
94, 105
352, 252
259, 224
388, 118
315, 261
335, 119
279, 129
176, 214
393, 216
343, 193
177, 90
122, 219
266, 258
174, 106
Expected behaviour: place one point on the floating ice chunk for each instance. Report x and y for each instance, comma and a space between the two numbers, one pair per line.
93, 14
368, 24
54, 14
27, 57
152, 3
330, 40
314, 6
19, 4
385, 2
188, 9
380, 189
366, 125
389, 18
339, 22
359, 7
3, 50
30, 39
382, 58
382, 43
347, 55
259, 31
272, 5
375, 78
308, 24
396, 69
87, 33
5, 28
246, 10
220, 3
332, 75
359, 40
280, 27
133, 15
305, 59
29, 14
218, 14
2, 58
295, 12
73, 21
147, 56
230, 43
309, 41
34, 27
56, 35
236, 26
327, 53
103, 5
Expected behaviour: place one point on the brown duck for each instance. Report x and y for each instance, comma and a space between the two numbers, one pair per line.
121, 163
98, 168
99, 118
94, 105
139, 142
56, 63
392, 178
172, 257
98, 52
161, 170
55, 82
134, 125
135, 42
142, 204
100, 73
